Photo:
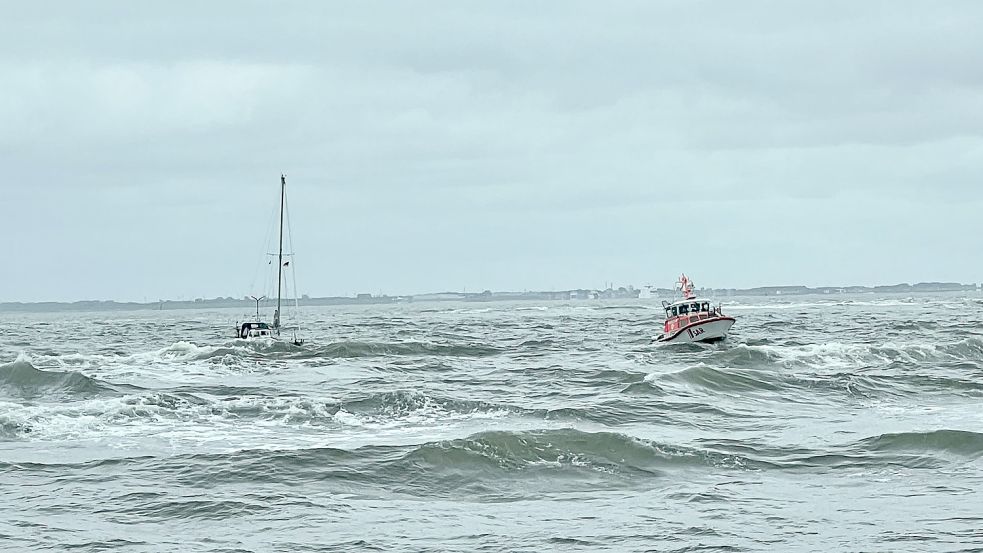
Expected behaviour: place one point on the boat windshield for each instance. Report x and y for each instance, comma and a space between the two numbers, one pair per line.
689, 308
255, 329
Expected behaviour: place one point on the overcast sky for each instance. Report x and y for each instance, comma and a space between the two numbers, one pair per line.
504, 145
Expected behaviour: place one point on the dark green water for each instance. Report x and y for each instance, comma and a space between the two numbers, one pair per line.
821, 424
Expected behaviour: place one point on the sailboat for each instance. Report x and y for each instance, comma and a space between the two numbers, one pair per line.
257, 329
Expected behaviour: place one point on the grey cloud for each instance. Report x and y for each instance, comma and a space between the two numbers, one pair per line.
499, 145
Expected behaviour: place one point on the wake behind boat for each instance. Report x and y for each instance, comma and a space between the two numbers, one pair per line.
692, 319
257, 328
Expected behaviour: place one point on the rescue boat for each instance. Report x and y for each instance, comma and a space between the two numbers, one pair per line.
692, 319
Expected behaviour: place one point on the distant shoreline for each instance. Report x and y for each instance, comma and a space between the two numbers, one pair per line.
488, 296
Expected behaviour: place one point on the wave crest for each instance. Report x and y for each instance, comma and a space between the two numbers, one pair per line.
954, 442
22, 379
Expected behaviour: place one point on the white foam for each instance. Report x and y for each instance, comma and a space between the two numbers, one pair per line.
24, 357
240, 422
837, 354
426, 415
182, 361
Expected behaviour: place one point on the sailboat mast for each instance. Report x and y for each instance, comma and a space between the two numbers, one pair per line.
279, 271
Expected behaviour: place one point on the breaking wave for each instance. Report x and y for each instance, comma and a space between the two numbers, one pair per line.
843, 354
373, 349
497, 465
22, 379
136, 413
954, 442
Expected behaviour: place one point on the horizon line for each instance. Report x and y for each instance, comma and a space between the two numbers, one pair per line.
628, 287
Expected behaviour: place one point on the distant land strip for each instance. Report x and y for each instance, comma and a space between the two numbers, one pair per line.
628, 292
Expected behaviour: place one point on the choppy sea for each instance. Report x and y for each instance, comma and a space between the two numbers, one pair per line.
823, 423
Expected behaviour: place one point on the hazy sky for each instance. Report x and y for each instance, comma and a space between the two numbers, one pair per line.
503, 145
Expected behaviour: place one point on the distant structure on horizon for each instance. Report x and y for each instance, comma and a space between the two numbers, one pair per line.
623, 292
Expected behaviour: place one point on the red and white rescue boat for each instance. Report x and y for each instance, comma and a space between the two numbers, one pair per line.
692, 319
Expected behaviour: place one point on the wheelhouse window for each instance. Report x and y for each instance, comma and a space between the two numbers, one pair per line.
705, 306
684, 309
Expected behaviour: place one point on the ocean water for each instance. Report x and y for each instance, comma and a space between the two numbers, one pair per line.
823, 423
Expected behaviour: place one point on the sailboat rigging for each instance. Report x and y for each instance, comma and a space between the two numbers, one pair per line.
257, 328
